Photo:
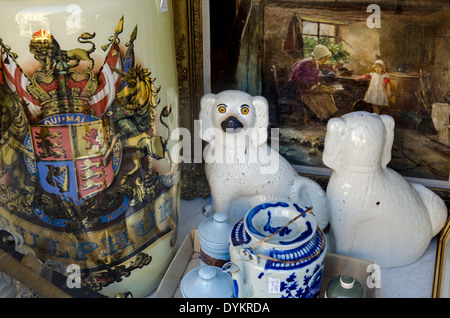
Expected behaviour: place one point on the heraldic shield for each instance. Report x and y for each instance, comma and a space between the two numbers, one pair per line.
86, 176
71, 155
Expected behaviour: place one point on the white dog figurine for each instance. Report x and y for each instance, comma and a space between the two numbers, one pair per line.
375, 214
242, 170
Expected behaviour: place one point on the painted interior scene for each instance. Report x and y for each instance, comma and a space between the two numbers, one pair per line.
315, 60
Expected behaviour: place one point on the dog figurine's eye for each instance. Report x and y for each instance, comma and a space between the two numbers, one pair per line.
244, 109
222, 109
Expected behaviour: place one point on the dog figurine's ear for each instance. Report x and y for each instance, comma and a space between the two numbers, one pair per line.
259, 134
332, 149
389, 125
205, 116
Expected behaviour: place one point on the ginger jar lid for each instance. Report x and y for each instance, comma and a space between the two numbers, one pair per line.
207, 282
215, 229
280, 225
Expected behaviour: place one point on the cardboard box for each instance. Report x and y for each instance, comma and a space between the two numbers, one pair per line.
336, 264
188, 258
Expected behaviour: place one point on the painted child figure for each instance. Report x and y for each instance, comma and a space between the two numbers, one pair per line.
379, 87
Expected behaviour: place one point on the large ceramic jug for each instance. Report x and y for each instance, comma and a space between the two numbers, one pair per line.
89, 98
277, 251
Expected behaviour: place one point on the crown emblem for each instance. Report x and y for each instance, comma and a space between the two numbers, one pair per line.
65, 82
58, 85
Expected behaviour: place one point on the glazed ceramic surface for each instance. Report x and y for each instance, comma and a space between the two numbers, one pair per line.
375, 214
242, 170
206, 282
89, 98
213, 236
271, 259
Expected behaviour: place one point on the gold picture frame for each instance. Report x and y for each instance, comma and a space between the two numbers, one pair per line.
441, 283
191, 38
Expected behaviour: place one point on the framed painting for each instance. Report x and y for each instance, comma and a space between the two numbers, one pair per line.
255, 46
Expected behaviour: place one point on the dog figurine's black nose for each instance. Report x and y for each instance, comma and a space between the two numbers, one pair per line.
232, 124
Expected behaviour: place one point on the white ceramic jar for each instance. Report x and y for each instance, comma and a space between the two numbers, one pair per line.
206, 282
213, 235
89, 98
277, 251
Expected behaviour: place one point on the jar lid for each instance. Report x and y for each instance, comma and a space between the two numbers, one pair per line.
206, 272
347, 282
215, 229
207, 282
220, 217
344, 286
280, 225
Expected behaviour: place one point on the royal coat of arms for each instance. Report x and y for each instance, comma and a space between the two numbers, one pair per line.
77, 148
